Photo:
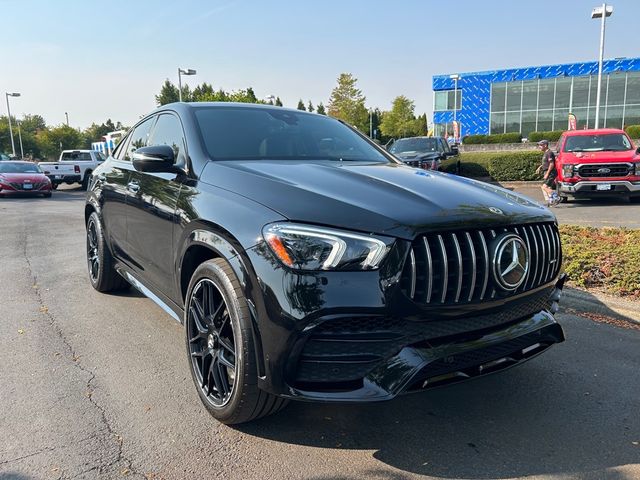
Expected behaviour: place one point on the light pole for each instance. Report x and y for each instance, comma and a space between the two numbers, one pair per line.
67, 117
14, 94
371, 123
602, 12
455, 77
183, 71
20, 137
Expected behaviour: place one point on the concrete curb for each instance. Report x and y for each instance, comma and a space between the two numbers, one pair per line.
601, 304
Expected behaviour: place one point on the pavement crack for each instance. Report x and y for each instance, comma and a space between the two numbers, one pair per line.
75, 361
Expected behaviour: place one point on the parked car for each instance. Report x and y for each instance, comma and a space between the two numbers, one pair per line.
597, 163
422, 152
19, 178
308, 263
84, 162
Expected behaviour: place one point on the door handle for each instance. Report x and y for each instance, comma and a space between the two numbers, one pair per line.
133, 187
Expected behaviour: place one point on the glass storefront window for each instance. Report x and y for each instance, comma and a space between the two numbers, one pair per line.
632, 115
545, 96
563, 92
444, 100
613, 118
545, 120
615, 90
440, 102
633, 88
512, 122
560, 119
528, 122
498, 94
514, 97
581, 117
530, 95
497, 122
580, 92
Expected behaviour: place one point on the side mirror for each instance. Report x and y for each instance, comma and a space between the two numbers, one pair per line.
157, 158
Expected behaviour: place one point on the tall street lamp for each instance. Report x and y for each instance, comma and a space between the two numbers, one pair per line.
67, 117
602, 12
370, 123
20, 137
15, 94
455, 77
183, 71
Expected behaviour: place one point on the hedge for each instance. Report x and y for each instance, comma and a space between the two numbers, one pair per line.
501, 166
552, 136
495, 138
603, 258
633, 131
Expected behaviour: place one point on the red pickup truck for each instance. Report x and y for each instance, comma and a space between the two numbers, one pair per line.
601, 162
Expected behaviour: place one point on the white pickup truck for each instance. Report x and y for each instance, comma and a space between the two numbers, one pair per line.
74, 166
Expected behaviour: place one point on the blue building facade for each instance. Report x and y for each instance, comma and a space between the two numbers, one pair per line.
538, 98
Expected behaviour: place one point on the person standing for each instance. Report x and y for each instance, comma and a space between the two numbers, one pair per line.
548, 169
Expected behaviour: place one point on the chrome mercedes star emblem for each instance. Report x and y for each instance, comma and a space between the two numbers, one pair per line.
510, 261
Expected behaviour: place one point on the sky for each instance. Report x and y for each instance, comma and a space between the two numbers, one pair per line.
99, 60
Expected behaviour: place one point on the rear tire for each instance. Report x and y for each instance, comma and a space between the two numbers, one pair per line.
220, 347
102, 275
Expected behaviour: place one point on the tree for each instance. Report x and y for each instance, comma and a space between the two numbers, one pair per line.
310, 107
201, 92
347, 103
301, 105
52, 141
168, 93
321, 109
400, 121
278, 102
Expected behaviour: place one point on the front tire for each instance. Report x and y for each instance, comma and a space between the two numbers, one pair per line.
220, 347
102, 274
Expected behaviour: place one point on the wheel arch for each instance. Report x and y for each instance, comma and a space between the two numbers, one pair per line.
208, 241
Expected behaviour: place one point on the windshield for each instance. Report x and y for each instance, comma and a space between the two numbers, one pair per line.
613, 142
414, 145
232, 133
100, 156
13, 167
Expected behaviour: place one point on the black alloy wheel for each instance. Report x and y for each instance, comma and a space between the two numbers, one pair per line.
93, 258
211, 343
100, 263
221, 347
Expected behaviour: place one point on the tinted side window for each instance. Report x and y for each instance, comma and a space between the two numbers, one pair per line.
139, 137
168, 131
559, 144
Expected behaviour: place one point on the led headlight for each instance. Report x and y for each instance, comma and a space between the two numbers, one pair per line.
304, 247
567, 171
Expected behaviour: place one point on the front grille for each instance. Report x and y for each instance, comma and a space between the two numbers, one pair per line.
454, 268
605, 170
19, 186
347, 349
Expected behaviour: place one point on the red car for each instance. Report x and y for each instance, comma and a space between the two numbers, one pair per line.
594, 163
20, 178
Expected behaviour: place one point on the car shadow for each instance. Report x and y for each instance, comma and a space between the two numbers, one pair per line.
559, 414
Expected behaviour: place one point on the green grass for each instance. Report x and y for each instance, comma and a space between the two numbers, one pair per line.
604, 258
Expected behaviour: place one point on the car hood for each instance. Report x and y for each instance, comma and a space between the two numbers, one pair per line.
21, 177
390, 199
599, 157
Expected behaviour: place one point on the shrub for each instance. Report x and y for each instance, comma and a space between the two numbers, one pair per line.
495, 138
605, 258
552, 136
633, 131
514, 166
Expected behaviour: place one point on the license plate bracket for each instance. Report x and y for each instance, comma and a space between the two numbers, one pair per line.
603, 186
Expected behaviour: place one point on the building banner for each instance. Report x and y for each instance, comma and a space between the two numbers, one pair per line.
456, 131
573, 122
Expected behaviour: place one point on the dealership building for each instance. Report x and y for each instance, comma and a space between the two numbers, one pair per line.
541, 98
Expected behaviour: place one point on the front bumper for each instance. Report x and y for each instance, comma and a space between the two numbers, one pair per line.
590, 188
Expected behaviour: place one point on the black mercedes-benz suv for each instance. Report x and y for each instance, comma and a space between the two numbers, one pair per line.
308, 263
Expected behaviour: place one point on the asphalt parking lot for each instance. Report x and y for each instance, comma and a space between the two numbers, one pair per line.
96, 385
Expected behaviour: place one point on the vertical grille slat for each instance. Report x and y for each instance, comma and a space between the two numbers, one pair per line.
445, 268
429, 268
485, 252
458, 253
456, 267
472, 286
412, 288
